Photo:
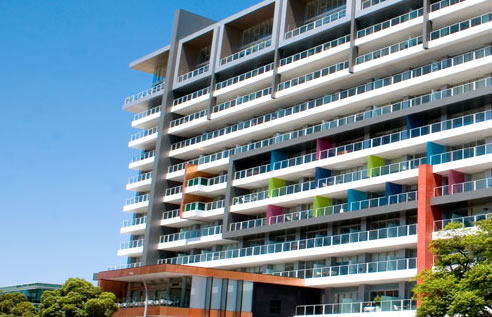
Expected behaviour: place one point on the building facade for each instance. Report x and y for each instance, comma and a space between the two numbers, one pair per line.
298, 157
32, 291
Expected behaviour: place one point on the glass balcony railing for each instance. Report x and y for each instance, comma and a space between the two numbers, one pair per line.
396, 305
350, 269
193, 73
243, 99
314, 50
188, 118
465, 187
135, 221
141, 302
170, 214
444, 4
247, 51
467, 222
207, 181
201, 206
140, 178
143, 156
181, 166
147, 113
390, 23
137, 199
193, 95
369, 3
131, 244
174, 190
414, 102
243, 77
124, 266
330, 181
324, 211
331, 17
462, 154
296, 245
389, 50
148, 92
314, 75
143, 134
192, 234
461, 26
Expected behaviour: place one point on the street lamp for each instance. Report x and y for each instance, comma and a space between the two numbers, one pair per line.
146, 294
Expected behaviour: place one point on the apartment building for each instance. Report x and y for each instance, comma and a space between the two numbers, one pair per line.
298, 157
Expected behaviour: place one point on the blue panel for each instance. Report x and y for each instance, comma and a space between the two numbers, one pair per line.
433, 149
354, 196
276, 156
413, 122
392, 189
320, 173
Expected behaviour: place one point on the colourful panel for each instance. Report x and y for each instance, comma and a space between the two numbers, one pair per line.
273, 211
320, 173
413, 122
354, 196
276, 156
275, 183
373, 162
392, 189
323, 144
320, 202
454, 177
433, 149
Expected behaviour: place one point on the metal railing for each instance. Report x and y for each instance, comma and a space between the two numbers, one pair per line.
247, 51
201, 206
467, 222
143, 156
207, 181
461, 26
192, 234
242, 99
395, 48
174, 190
396, 305
384, 201
297, 245
443, 4
135, 221
170, 214
139, 178
143, 134
244, 76
188, 118
390, 23
193, 95
124, 266
461, 154
148, 92
147, 113
315, 50
369, 3
318, 23
137, 199
463, 187
193, 73
132, 244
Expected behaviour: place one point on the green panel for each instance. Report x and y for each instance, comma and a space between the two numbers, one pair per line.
372, 162
320, 202
275, 183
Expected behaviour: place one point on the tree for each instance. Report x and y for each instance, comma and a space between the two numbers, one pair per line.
77, 298
461, 282
16, 304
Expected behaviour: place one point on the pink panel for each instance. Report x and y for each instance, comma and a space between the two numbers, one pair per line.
273, 211
455, 177
323, 144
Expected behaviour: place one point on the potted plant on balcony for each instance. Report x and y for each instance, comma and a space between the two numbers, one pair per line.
377, 302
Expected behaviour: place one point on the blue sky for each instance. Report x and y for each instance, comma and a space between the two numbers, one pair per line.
64, 156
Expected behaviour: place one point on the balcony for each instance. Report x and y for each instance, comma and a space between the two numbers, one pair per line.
172, 219
137, 204
186, 240
254, 79
461, 26
137, 101
392, 49
390, 271
208, 187
393, 238
324, 212
389, 308
143, 162
147, 119
140, 183
173, 195
465, 187
189, 124
467, 222
191, 102
194, 73
247, 51
132, 248
204, 211
135, 226
124, 266
144, 140
309, 27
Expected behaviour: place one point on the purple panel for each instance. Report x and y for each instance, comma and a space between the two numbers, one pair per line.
323, 144
455, 177
273, 211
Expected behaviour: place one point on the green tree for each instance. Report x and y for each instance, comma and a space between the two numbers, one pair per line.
461, 282
77, 298
16, 304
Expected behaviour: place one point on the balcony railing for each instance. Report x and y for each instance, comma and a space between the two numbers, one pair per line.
389, 50
135, 221
315, 50
243, 77
324, 211
443, 4
167, 301
397, 305
137, 199
193, 73
146, 113
297, 245
242, 99
124, 266
369, 3
465, 187
350, 269
188, 118
314, 75
140, 178
462, 154
143, 134
201, 206
174, 190
247, 51
148, 92
143, 156
132, 244
192, 234
207, 181
467, 222
390, 23
191, 96
461, 26
170, 214
316, 24
330, 181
